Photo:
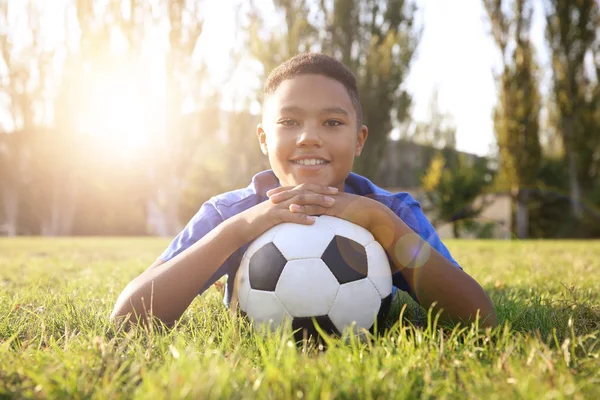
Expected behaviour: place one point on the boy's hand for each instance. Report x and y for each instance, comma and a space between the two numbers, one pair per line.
356, 209
301, 202
287, 204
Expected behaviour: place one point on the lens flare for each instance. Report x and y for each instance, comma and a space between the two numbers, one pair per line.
412, 251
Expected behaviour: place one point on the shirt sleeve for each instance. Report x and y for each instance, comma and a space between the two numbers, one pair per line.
412, 214
205, 220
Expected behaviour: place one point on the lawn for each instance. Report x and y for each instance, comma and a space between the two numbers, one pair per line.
55, 340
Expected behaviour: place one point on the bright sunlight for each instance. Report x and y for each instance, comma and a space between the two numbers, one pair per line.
115, 116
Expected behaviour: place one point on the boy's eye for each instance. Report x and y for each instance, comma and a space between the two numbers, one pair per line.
287, 122
333, 122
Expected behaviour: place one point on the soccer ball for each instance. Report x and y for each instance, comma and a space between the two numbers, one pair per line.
333, 271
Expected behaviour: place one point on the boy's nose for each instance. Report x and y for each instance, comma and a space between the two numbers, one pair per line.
309, 137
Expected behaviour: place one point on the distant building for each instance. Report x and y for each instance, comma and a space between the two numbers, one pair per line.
405, 162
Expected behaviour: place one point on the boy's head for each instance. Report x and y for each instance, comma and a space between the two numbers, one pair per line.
311, 115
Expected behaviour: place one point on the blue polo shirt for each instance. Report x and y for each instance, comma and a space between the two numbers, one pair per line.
226, 205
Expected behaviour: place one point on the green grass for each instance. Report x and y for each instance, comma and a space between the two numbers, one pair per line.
56, 342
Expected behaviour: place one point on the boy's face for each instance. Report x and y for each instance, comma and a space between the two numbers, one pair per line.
311, 117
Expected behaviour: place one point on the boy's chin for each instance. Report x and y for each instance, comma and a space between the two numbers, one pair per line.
296, 178
307, 180
296, 183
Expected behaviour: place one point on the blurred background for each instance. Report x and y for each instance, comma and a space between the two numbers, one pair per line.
121, 117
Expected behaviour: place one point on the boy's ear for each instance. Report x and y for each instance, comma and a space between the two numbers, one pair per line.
361, 139
262, 139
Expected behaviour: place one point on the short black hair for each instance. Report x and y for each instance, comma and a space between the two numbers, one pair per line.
319, 64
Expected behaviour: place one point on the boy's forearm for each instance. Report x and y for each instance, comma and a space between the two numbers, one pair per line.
169, 288
429, 274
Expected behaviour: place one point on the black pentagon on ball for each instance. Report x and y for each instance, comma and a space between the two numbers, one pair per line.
304, 327
346, 259
265, 267
382, 315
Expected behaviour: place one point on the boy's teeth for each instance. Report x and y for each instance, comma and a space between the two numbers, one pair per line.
310, 162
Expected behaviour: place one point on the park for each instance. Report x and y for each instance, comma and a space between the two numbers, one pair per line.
285, 199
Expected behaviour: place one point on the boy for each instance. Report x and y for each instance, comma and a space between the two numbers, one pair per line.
311, 132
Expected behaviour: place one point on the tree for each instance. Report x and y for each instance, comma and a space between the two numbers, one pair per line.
452, 183
516, 117
438, 131
299, 35
375, 39
27, 64
177, 145
572, 35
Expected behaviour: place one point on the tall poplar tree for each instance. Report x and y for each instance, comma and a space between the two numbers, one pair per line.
516, 117
572, 36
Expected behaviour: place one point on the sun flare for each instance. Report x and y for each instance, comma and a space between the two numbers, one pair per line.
115, 116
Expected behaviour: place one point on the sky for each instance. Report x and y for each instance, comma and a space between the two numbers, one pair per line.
456, 57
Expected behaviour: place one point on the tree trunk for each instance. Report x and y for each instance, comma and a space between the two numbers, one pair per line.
69, 206
522, 213
59, 220
574, 186
456, 230
575, 190
162, 216
10, 185
10, 197
369, 162
50, 220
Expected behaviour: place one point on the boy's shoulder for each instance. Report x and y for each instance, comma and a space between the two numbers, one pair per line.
360, 185
236, 201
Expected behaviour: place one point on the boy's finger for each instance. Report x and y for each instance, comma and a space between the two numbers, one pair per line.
297, 217
304, 187
308, 209
318, 188
282, 196
278, 190
303, 198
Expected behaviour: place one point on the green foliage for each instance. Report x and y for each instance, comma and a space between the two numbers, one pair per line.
56, 341
375, 39
516, 117
273, 48
452, 183
227, 164
550, 215
550, 200
572, 36
438, 131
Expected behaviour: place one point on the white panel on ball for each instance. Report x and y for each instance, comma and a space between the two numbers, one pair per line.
379, 269
307, 288
348, 229
303, 241
265, 307
259, 242
242, 284
356, 301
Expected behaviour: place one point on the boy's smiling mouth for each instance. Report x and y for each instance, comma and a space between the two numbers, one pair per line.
309, 162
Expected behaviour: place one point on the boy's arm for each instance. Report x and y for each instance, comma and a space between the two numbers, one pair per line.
166, 289
430, 275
